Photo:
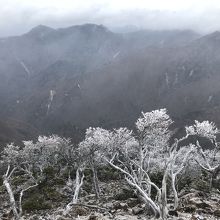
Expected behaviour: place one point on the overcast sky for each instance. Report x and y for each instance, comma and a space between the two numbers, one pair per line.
18, 16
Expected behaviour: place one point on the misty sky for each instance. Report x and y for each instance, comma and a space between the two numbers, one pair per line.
18, 16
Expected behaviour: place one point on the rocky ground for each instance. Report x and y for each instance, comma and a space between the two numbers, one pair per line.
119, 203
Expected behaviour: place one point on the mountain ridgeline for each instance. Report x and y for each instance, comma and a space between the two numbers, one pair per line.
65, 80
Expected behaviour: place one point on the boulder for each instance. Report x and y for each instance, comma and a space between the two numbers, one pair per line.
63, 218
132, 202
217, 213
93, 216
197, 217
173, 213
199, 203
79, 211
120, 205
137, 210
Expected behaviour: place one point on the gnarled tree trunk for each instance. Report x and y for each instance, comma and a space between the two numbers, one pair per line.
11, 197
163, 202
78, 185
173, 185
95, 179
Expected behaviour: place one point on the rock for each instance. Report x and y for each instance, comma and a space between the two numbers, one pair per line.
79, 211
63, 218
92, 202
202, 204
189, 209
217, 213
130, 211
120, 217
173, 213
36, 217
197, 217
113, 211
116, 205
132, 202
93, 216
124, 194
108, 205
124, 206
7, 214
90, 197
137, 210
199, 203
120, 205
183, 216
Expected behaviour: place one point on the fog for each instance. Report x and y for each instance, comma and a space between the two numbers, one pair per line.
18, 16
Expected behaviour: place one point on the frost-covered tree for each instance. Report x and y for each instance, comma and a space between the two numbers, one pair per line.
19, 160
93, 147
148, 151
72, 159
61, 155
208, 158
44, 153
10, 157
29, 162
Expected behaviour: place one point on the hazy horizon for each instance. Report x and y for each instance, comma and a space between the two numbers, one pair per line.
18, 17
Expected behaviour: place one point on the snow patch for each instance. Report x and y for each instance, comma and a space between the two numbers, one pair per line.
116, 54
24, 66
51, 97
210, 98
191, 73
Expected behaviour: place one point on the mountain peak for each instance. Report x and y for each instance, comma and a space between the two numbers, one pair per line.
40, 30
88, 28
94, 27
215, 36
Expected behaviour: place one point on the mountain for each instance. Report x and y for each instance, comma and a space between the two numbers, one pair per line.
65, 80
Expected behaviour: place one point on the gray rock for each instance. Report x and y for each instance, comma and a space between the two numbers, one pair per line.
217, 213
137, 210
132, 202
93, 216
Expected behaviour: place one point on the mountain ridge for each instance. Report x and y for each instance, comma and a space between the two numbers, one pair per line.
86, 75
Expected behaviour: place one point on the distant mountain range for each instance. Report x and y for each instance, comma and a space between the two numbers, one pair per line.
65, 80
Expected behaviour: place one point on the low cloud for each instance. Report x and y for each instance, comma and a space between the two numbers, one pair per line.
19, 16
